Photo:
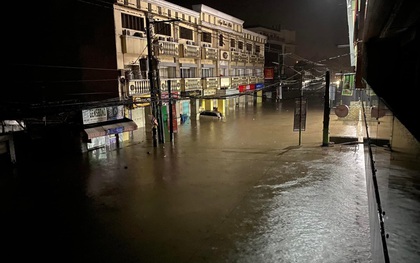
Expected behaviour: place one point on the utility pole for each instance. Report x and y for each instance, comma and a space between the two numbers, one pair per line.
300, 109
153, 97
325, 131
280, 82
155, 92
171, 124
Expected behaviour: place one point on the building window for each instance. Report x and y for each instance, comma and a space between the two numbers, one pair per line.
257, 49
167, 72
240, 45
185, 33
249, 47
232, 43
162, 29
169, 13
187, 72
132, 22
221, 43
206, 37
223, 72
206, 72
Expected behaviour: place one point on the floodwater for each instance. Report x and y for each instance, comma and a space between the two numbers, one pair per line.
236, 190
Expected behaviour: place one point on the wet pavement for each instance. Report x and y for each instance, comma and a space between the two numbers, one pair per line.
237, 190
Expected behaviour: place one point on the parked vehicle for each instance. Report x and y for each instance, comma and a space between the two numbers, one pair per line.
208, 114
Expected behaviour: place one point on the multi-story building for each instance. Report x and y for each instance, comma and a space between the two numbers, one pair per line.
95, 70
202, 52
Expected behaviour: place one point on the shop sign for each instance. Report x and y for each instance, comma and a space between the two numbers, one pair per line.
259, 86
268, 73
115, 130
103, 114
245, 88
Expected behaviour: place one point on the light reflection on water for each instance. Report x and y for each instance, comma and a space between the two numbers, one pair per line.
313, 218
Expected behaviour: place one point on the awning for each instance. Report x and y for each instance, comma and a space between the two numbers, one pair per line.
95, 132
113, 128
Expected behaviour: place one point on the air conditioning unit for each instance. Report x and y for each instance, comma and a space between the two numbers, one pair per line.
126, 32
138, 34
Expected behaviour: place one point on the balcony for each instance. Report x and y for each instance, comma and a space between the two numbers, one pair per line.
138, 87
210, 83
188, 84
243, 57
190, 51
239, 80
225, 82
166, 48
209, 53
133, 42
175, 85
235, 56
252, 79
253, 59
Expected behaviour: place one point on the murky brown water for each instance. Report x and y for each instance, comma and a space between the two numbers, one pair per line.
238, 190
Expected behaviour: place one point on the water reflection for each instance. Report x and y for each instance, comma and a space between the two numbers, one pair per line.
233, 191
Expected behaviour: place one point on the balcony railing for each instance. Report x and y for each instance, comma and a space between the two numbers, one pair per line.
133, 43
167, 48
243, 57
253, 58
235, 56
190, 84
175, 84
209, 53
138, 87
210, 83
190, 51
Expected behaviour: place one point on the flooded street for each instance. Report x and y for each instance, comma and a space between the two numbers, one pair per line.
237, 190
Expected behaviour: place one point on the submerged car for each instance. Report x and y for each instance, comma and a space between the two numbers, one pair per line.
207, 114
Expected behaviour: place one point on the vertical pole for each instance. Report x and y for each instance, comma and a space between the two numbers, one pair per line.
325, 131
151, 79
280, 84
171, 125
300, 107
161, 135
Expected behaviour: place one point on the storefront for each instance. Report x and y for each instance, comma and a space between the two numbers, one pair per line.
106, 127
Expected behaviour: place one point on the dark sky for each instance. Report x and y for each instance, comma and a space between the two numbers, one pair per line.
320, 25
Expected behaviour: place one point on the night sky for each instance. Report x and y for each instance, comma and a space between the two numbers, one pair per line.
320, 25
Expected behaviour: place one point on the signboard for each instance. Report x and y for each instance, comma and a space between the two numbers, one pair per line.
245, 88
300, 114
259, 86
348, 85
103, 114
268, 73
